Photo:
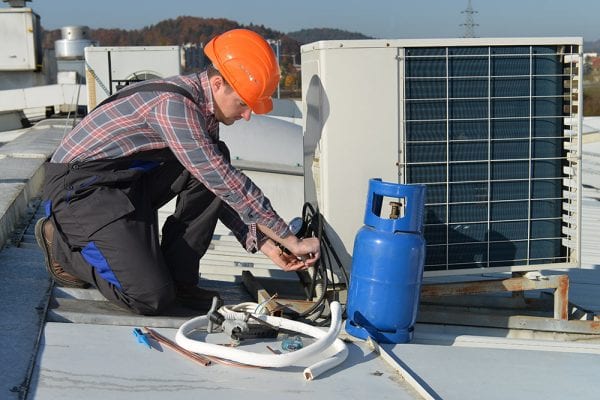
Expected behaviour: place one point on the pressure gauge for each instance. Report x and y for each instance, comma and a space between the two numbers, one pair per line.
297, 226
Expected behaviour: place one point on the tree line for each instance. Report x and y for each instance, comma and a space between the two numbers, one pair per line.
187, 29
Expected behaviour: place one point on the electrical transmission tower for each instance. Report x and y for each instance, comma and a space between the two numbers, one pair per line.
469, 21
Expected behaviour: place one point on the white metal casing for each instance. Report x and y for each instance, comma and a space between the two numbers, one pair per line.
19, 30
343, 111
107, 66
353, 99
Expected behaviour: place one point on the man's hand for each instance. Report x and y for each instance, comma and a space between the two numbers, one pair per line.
304, 252
286, 261
307, 249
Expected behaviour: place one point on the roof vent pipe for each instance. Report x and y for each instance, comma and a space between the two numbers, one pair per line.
16, 3
74, 40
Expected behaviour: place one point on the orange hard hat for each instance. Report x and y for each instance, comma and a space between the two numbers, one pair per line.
248, 64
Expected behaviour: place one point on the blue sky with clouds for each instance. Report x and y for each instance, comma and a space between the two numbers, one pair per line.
377, 18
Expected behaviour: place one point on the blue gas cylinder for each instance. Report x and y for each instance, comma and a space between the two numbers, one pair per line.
387, 265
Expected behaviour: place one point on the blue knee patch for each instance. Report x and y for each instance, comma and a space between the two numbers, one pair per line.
96, 259
144, 166
48, 207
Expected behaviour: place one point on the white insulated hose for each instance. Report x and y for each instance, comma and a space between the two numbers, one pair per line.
324, 340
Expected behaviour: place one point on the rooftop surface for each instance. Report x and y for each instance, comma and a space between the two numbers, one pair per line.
71, 344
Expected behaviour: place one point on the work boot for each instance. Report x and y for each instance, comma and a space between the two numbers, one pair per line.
191, 296
44, 233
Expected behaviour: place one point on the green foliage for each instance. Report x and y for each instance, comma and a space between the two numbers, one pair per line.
314, 35
591, 100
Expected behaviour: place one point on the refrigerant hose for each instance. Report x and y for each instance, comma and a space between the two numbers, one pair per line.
324, 341
313, 226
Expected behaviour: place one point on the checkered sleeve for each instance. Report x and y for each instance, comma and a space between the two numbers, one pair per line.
183, 128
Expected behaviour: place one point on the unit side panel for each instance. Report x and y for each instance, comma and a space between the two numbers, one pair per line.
357, 131
312, 122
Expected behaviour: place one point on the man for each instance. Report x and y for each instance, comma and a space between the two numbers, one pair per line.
146, 145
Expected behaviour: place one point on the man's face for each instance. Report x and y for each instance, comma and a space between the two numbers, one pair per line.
229, 107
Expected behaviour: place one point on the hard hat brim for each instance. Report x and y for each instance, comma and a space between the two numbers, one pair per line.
263, 106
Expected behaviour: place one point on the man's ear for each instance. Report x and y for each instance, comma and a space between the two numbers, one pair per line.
216, 82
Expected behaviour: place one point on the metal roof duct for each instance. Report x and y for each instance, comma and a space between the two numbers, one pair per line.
74, 40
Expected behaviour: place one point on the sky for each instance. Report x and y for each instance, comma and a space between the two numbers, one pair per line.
385, 19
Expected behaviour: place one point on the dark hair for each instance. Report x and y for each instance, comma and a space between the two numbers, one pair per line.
213, 71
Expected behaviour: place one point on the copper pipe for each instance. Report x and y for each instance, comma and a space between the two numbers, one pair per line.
175, 347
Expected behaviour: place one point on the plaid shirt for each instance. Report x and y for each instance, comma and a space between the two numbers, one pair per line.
147, 121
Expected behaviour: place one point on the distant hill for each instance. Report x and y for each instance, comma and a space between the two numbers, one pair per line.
176, 31
592, 47
186, 29
304, 36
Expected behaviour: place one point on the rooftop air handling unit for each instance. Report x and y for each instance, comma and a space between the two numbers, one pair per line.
20, 49
492, 127
21, 55
108, 69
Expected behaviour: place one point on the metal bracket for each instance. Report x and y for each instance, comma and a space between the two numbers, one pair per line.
519, 284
